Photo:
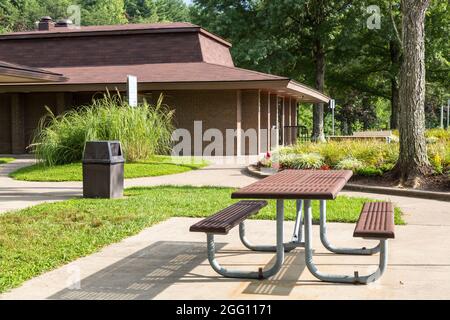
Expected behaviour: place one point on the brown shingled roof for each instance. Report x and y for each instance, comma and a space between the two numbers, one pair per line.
160, 27
166, 76
161, 73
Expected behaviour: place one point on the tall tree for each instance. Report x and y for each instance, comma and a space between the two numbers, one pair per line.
287, 37
156, 10
102, 12
413, 161
22, 15
309, 29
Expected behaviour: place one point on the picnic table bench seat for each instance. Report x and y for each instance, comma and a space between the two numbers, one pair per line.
376, 221
221, 223
224, 220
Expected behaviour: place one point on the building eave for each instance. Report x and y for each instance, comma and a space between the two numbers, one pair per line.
13, 73
281, 87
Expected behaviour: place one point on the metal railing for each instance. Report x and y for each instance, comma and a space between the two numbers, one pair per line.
301, 132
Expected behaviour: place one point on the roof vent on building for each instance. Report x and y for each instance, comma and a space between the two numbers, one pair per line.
64, 23
45, 24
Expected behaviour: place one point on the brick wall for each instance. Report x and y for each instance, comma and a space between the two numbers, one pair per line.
17, 124
216, 108
264, 122
102, 50
249, 121
35, 109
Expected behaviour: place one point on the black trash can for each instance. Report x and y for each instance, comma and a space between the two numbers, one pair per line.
103, 163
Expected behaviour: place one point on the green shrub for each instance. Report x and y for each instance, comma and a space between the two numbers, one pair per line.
349, 164
143, 130
301, 161
374, 157
369, 153
369, 171
440, 134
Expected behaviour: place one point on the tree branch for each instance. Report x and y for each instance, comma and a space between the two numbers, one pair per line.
397, 34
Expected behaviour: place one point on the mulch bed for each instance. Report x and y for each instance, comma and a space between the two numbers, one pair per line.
440, 183
437, 183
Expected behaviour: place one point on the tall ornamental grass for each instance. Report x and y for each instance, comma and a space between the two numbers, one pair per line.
144, 130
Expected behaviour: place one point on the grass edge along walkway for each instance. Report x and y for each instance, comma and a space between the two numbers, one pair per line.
47, 236
6, 160
156, 166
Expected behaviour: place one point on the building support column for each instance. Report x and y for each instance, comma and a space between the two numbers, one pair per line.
269, 129
259, 122
239, 123
17, 124
294, 120
63, 102
290, 122
283, 122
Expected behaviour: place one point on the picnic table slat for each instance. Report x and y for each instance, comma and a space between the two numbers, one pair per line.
297, 184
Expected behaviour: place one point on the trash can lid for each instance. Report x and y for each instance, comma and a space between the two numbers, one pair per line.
103, 152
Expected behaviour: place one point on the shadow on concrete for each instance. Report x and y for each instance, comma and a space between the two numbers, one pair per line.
148, 272
144, 274
285, 280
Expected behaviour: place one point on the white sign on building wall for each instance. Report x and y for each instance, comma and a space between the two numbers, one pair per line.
132, 91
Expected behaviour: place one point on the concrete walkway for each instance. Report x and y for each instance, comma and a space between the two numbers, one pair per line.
165, 261
21, 194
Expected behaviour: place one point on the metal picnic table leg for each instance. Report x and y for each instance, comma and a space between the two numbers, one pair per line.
260, 274
338, 278
296, 239
330, 247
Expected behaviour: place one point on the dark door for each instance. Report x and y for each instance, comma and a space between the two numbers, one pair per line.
5, 123
280, 122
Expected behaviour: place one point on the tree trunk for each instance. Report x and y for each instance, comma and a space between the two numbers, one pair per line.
413, 161
319, 59
395, 52
394, 104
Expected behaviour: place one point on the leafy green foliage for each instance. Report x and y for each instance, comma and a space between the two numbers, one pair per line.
369, 158
44, 237
22, 15
349, 163
6, 160
102, 12
301, 161
144, 130
362, 64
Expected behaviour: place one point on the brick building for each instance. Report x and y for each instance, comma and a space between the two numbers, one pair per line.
67, 66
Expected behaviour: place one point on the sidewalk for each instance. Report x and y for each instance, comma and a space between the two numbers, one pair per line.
166, 261
21, 194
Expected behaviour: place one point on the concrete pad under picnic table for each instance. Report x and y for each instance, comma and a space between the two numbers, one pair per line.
167, 261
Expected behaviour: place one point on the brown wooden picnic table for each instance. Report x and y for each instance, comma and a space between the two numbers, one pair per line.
297, 184
376, 221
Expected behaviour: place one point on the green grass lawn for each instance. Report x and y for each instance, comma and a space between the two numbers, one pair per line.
46, 236
156, 166
6, 160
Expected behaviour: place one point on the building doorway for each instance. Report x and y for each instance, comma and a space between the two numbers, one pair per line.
280, 124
